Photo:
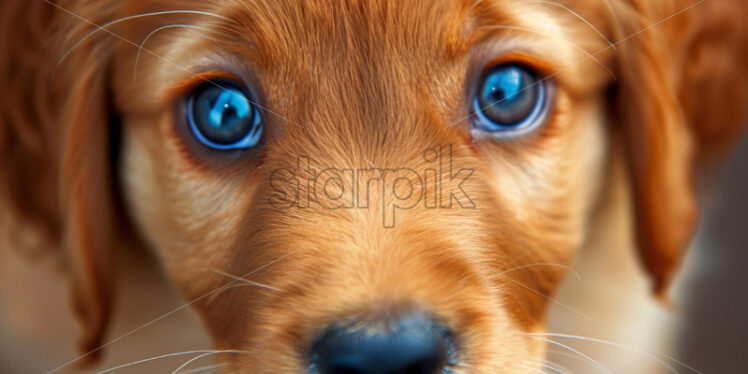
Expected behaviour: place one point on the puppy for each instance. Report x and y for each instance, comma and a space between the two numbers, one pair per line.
361, 186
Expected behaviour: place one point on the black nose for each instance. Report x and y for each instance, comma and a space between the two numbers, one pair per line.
410, 345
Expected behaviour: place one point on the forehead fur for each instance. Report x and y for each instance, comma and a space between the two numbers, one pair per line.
371, 28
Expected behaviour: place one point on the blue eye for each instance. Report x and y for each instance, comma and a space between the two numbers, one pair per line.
511, 99
223, 116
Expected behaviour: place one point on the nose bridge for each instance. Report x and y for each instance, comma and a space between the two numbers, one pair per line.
372, 196
369, 168
372, 145
365, 105
361, 148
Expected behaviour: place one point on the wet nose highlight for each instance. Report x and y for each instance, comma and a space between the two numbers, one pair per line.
413, 344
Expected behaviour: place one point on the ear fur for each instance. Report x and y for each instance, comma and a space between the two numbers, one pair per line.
86, 190
681, 95
55, 162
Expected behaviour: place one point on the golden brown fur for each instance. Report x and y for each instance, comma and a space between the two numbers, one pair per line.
92, 157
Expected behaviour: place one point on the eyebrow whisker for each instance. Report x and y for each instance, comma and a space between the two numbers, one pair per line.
574, 45
579, 16
136, 16
145, 40
177, 25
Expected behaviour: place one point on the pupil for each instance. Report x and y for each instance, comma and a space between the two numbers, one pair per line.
506, 84
223, 116
508, 95
228, 111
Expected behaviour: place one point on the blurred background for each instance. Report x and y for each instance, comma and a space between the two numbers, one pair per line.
716, 308
702, 330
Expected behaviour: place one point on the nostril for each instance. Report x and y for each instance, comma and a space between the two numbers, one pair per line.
410, 345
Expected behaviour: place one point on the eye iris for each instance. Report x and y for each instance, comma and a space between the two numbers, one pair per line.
508, 95
223, 117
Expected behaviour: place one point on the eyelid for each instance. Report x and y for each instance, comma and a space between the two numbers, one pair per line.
543, 68
182, 88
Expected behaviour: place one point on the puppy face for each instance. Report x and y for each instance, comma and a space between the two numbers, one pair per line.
381, 90
333, 184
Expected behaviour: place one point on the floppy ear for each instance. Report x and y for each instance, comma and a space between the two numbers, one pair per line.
55, 174
681, 96
86, 199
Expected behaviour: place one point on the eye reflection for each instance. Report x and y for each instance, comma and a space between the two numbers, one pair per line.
510, 98
222, 116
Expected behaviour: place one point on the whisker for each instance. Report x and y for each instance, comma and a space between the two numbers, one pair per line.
165, 315
579, 277
176, 354
239, 285
598, 322
556, 367
136, 16
572, 44
579, 16
549, 365
145, 40
186, 26
561, 352
222, 289
184, 365
611, 8
560, 367
606, 342
568, 355
588, 358
249, 282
